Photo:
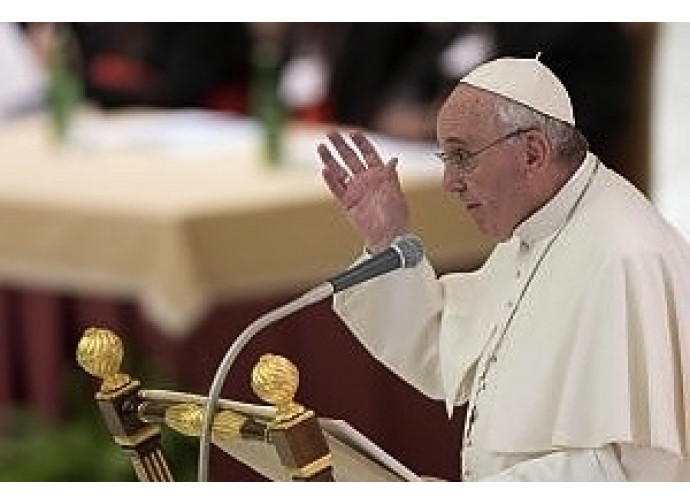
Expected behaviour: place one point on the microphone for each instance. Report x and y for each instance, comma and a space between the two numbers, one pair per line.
404, 252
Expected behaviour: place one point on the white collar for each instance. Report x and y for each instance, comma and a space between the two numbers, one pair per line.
555, 212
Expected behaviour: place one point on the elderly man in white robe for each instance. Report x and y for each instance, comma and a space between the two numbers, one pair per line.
571, 344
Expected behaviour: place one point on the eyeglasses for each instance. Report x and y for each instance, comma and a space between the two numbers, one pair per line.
461, 160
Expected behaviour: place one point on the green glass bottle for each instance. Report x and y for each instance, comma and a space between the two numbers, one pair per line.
267, 106
64, 86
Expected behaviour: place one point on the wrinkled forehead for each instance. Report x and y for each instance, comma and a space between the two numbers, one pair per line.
467, 112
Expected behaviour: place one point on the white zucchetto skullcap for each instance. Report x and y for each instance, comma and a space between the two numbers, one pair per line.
526, 81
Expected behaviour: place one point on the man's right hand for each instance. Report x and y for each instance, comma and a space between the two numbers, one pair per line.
367, 189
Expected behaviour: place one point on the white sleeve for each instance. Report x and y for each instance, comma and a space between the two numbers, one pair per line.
396, 317
599, 464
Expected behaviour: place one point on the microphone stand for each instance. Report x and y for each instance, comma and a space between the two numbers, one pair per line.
406, 251
313, 296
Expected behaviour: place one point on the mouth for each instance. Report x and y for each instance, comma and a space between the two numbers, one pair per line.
472, 206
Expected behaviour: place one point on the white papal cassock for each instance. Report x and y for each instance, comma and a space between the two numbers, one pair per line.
571, 343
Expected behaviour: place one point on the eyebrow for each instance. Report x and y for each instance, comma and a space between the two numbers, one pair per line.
455, 140
455, 143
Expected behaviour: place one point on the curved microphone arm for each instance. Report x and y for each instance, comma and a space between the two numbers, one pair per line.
405, 251
315, 295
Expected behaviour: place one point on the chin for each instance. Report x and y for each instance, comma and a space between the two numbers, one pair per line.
496, 234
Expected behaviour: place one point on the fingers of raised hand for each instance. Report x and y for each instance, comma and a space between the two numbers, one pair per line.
336, 182
347, 153
331, 163
328, 160
354, 163
369, 153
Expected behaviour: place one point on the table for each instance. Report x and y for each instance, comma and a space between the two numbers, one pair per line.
168, 228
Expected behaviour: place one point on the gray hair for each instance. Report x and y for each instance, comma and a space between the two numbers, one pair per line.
568, 143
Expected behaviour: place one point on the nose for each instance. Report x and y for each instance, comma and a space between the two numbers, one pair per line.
453, 181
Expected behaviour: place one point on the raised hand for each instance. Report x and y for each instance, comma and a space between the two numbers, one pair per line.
367, 189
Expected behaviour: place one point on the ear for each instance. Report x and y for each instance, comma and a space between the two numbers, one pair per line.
537, 152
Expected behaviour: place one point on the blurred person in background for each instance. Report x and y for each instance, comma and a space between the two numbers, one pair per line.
22, 69
170, 65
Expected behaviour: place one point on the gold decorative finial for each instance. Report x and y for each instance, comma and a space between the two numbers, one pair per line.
100, 353
187, 419
275, 380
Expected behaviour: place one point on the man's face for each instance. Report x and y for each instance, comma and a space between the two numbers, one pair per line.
492, 183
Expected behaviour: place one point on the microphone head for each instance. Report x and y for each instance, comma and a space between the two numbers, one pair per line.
410, 249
